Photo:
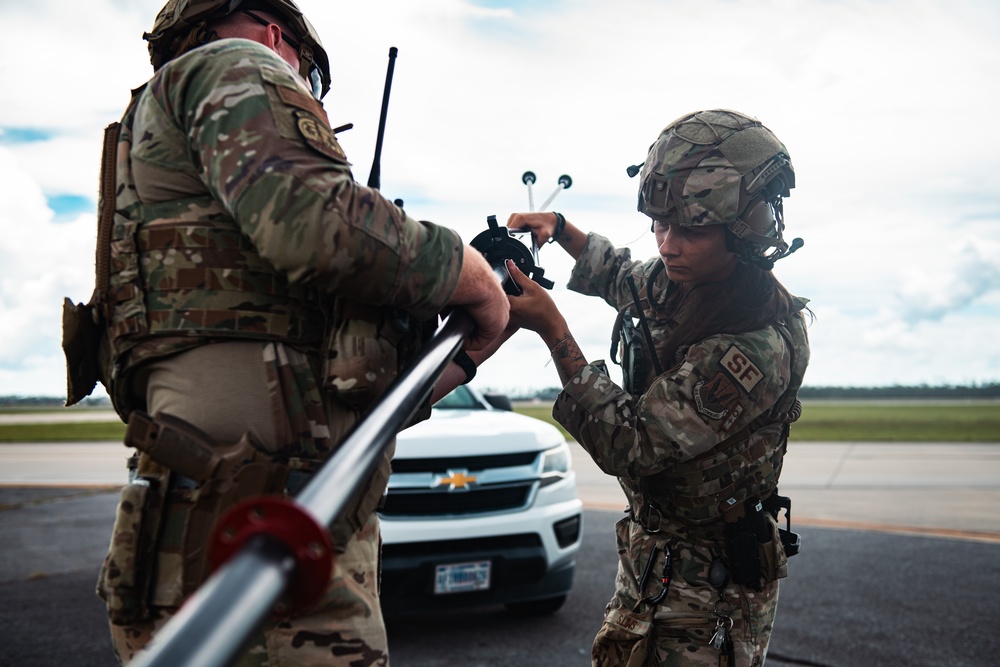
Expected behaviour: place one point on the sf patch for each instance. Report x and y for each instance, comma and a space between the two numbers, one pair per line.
319, 135
741, 369
715, 398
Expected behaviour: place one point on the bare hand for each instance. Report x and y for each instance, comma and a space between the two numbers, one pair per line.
534, 309
542, 225
480, 294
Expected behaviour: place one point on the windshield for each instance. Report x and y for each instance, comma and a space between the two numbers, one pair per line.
460, 398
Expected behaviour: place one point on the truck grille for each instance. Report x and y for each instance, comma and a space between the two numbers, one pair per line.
467, 462
401, 503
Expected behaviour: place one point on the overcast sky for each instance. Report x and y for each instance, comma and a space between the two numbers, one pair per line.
888, 107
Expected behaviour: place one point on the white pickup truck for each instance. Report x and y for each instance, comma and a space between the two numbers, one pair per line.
481, 509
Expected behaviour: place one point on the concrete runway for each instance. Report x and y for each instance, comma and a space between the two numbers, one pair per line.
900, 563
945, 489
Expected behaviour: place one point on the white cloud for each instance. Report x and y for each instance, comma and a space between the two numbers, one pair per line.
30, 298
885, 106
967, 271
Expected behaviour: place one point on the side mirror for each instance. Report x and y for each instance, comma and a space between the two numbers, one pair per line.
499, 401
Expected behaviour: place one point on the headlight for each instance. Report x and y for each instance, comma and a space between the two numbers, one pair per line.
556, 461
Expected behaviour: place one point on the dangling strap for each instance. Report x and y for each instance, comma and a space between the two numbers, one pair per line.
106, 206
106, 213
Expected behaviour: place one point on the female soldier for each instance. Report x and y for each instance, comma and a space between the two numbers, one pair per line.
713, 350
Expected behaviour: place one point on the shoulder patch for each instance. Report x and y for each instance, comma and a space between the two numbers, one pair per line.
715, 397
319, 135
741, 369
300, 100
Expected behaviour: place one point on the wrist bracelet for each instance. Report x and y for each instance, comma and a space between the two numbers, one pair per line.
466, 363
560, 226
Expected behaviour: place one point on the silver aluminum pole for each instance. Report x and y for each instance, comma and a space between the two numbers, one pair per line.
215, 623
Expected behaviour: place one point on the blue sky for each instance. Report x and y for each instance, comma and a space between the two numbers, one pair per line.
888, 108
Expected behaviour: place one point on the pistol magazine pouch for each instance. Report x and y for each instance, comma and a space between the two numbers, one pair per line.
183, 482
125, 579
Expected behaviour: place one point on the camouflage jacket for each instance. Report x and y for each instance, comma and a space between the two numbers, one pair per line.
710, 427
237, 216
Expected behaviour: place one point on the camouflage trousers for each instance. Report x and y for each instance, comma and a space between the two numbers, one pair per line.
677, 630
269, 391
344, 629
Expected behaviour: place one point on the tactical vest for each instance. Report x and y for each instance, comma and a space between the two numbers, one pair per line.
177, 274
696, 492
181, 273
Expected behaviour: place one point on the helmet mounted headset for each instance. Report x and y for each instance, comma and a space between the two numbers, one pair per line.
184, 24
721, 167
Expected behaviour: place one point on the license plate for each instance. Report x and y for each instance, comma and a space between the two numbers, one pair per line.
462, 577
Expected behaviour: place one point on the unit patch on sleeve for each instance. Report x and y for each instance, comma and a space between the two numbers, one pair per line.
715, 397
741, 369
319, 135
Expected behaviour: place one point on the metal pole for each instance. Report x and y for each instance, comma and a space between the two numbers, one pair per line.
564, 183
215, 623
528, 178
330, 489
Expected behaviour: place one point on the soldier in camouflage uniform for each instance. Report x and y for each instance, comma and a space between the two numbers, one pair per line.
246, 284
713, 351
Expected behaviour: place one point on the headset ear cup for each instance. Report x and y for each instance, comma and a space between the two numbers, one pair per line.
755, 227
759, 217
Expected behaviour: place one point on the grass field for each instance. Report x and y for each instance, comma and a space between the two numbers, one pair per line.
895, 421
844, 421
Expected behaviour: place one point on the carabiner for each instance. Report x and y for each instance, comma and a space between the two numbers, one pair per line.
664, 576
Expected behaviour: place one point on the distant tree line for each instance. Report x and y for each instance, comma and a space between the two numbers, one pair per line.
50, 401
990, 390
921, 391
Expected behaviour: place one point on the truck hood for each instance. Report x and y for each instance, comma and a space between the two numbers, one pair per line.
475, 432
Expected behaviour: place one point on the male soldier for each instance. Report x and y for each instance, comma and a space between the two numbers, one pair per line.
248, 285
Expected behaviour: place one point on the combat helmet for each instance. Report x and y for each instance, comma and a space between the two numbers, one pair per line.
182, 23
721, 167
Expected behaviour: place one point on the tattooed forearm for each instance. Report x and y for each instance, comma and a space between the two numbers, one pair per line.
567, 356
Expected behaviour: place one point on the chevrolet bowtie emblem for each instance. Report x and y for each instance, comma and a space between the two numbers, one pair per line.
457, 480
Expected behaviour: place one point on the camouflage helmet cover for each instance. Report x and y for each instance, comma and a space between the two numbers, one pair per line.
719, 167
179, 17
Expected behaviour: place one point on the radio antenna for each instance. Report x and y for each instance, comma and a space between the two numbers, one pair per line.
375, 177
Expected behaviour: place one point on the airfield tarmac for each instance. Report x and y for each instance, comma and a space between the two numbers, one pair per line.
900, 562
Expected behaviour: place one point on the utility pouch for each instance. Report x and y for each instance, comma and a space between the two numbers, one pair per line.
206, 479
127, 574
624, 639
755, 555
361, 357
81, 337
